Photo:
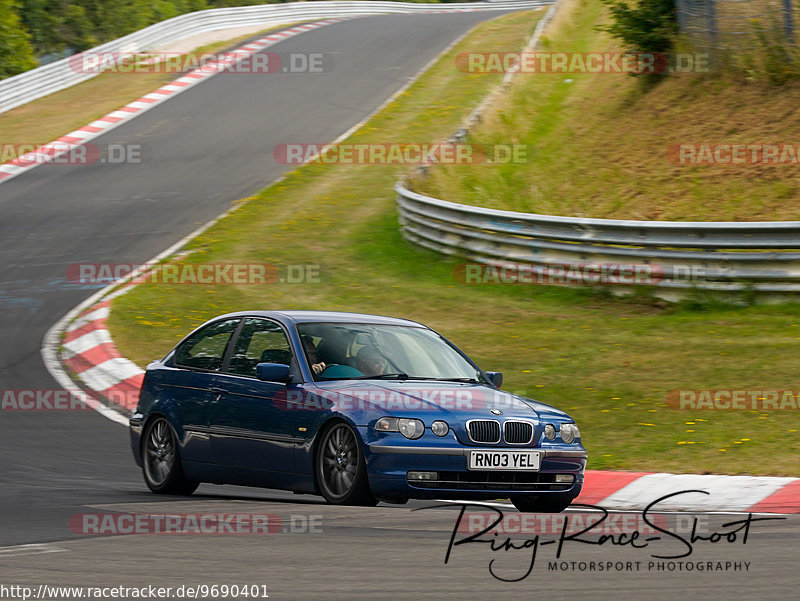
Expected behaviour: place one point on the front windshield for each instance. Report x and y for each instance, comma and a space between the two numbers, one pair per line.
344, 351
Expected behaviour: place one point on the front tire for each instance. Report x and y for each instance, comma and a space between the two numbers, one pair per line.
341, 469
161, 460
541, 503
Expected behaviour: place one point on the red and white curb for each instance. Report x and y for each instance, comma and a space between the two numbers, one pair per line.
89, 351
90, 354
67, 143
636, 490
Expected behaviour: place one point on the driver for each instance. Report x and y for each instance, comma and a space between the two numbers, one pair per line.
317, 366
370, 361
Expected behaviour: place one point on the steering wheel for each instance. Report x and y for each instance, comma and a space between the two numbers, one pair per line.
338, 370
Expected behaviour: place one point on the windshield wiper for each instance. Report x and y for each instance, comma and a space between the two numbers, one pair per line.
403, 376
396, 376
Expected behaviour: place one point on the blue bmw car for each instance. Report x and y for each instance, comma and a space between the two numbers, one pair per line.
356, 408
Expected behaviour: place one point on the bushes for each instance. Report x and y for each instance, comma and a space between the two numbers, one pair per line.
16, 54
773, 57
649, 26
57, 26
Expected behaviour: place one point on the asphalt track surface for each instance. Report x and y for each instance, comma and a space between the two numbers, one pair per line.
207, 147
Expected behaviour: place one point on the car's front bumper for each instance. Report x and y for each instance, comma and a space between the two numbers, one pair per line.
388, 466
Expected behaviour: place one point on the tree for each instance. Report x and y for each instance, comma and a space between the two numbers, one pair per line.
78, 29
16, 53
43, 19
649, 26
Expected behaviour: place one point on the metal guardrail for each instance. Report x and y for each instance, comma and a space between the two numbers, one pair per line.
33, 84
724, 256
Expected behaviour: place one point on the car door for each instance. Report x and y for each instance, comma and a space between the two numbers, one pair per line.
191, 381
248, 428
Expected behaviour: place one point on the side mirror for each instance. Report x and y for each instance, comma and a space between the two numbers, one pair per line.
496, 377
272, 372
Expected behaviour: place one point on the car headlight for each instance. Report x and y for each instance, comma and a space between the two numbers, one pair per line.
411, 428
386, 424
569, 432
440, 428
408, 427
549, 431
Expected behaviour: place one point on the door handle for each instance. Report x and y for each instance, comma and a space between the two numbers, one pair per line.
219, 392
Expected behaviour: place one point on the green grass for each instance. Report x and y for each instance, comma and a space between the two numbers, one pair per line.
610, 362
600, 141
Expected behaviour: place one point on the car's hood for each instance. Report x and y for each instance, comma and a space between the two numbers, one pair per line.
442, 400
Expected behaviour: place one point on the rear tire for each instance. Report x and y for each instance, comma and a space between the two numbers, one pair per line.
541, 503
340, 467
161, 460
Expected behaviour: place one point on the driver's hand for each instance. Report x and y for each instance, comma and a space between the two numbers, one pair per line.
318, 368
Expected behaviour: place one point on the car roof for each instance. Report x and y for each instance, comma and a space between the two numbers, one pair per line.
325, 317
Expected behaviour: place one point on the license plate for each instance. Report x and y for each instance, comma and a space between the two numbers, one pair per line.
504, 460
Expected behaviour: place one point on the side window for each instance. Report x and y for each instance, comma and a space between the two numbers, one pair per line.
260, 341
205, 348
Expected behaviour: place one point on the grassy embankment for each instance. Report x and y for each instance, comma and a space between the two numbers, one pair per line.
601, 141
